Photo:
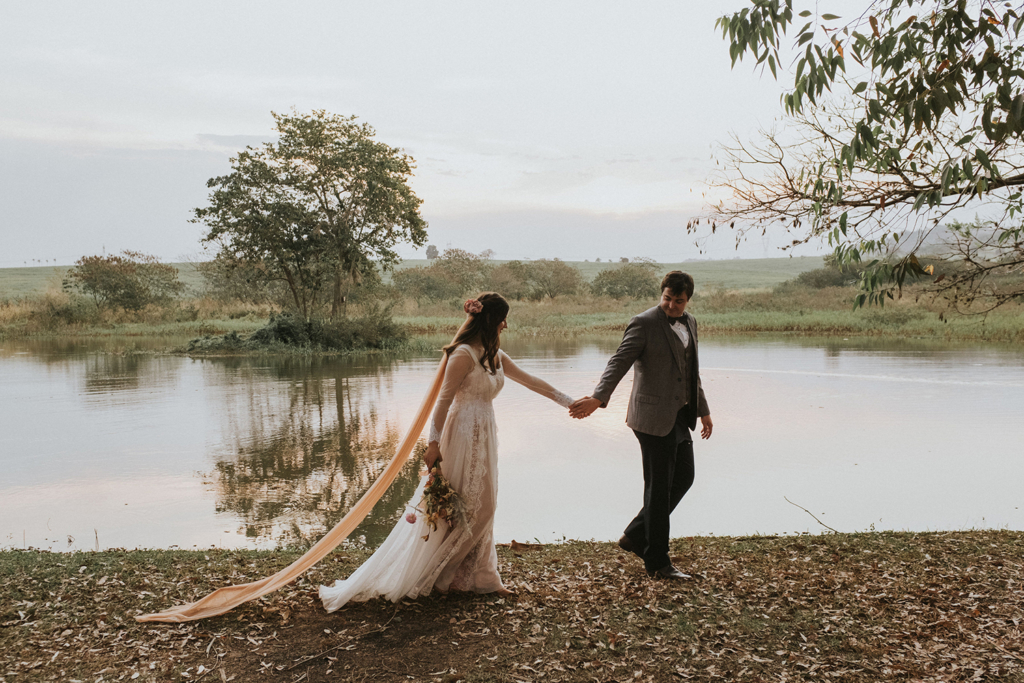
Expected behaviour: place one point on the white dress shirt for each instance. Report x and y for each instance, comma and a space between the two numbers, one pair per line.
682, 332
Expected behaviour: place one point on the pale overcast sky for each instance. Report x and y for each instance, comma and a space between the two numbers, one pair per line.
576, 130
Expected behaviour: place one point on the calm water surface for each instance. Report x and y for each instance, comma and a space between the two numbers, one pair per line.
152, 450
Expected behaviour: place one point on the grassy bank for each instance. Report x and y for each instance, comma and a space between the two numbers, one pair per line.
828, 312
788, 309
857, 607
800, 311
56, 314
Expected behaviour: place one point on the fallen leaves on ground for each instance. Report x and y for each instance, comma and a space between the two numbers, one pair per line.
859, 607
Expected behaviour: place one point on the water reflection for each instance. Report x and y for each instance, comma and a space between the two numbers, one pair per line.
63, 349
304, 438
295, 472
105, 373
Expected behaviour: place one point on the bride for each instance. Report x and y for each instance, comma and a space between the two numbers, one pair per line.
463, 437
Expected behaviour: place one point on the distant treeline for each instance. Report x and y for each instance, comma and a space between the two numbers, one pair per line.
132, 286
457, 272
454, 274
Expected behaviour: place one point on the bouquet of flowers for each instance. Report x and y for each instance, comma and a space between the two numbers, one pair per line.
440, 502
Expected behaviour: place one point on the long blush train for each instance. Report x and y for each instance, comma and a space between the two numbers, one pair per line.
229, 597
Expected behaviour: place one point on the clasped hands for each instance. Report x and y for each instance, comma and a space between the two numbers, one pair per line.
583, 407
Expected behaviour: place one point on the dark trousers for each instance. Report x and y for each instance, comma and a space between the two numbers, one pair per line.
668, 475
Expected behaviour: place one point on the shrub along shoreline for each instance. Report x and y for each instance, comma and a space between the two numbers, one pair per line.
852, 607
819, 313
374, 330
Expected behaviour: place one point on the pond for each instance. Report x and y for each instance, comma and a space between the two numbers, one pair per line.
100, 448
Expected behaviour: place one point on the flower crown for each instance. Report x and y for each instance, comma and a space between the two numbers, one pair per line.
472, 306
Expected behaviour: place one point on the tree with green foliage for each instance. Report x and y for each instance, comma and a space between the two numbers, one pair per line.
130, 280
465, 269
553, 278
317, 208
453, 274
238, 280
427, 282
510, 279
631, 280
896, 119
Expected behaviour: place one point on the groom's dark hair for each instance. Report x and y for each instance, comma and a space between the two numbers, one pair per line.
678, 282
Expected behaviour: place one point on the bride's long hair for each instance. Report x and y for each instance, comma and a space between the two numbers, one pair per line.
483, 326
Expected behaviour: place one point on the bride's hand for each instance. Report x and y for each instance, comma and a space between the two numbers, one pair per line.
433, 455
584, 407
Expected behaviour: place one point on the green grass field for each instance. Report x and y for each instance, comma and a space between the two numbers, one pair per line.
19, 282
730, 274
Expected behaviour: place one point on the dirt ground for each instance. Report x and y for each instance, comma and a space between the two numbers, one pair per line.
859, 607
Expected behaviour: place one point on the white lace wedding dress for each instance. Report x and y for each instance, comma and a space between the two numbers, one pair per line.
464, 558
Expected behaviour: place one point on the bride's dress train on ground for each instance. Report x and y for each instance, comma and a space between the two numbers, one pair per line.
228, 597
463, 558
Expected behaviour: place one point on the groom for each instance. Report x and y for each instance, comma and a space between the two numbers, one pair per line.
661, 346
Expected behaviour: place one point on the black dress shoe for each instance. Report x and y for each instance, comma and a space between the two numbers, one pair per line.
667, 572
627, 545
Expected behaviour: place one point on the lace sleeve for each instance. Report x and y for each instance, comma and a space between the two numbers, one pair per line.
460, 363
514, 373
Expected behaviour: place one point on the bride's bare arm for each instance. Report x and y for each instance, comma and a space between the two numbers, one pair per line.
460, 363
518, 375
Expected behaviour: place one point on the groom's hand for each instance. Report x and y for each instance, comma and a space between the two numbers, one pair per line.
705, 426
584, 407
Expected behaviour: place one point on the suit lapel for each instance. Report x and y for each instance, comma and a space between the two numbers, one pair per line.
691, 327
671, 338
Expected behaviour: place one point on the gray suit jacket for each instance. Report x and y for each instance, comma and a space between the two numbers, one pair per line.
650, 346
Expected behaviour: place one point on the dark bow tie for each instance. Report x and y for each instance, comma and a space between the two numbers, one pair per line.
673, 321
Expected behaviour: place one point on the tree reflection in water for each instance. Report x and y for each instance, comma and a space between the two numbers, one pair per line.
296, 471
